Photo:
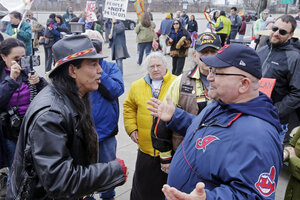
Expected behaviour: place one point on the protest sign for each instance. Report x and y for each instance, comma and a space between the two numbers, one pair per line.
90, 11
139, 8
266, 85
115, 9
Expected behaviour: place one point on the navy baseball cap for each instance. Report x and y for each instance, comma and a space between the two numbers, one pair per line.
207, 39
237, 55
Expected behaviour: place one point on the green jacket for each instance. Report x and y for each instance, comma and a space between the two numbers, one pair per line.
226, 25
293, 188
67, 18
144, 34
259, 25
25, 35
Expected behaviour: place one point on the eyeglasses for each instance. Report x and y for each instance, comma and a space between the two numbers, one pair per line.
175, 23
214, 73
281, 31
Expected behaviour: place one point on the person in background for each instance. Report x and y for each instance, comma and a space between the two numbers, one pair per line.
105, 108
165, 29
262, 39
49, 41
236, 22
297, 18
107, 27
179, 18
148, 177
61, 163
280, 60
24, 33
149, 13
242, 29
185, 18
118, 43
192, 28
213, 16
180, 41
18, 87
225, 31
36, 28
58, 28
260, 23
189, 92
291, 154
145, 32
68, 16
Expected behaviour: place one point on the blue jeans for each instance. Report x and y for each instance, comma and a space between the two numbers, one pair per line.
145, 46
107, 152
120, 64
11, 148
233, 34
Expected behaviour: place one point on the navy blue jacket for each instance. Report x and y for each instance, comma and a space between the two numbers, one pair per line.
233, 148
105, 107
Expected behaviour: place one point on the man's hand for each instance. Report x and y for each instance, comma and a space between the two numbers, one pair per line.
134, 136
110, 36
292, 151
165, 167
33, 79
162, 110
172, 193
15, 70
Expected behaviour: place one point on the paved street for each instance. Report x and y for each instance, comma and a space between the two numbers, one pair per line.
126, 149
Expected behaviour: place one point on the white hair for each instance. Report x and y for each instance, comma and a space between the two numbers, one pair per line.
93, 35
155, 54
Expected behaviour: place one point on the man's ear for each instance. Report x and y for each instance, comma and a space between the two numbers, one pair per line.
72, 71
245, 86
291, 35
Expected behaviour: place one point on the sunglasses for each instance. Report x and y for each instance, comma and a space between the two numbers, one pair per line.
281, 31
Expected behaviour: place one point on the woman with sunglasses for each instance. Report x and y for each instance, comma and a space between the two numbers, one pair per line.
16, 92
180, 41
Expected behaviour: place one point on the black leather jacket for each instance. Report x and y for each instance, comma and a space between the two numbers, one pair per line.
282, 63
51, 146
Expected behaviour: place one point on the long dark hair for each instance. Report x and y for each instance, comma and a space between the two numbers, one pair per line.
66, 85
7, 45
60, 18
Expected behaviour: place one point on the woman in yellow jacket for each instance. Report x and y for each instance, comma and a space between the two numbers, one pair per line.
148, 177
225, 31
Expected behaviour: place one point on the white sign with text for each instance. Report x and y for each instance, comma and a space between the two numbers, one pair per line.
115, 9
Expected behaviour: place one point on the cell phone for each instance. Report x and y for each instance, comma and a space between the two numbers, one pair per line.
30, 61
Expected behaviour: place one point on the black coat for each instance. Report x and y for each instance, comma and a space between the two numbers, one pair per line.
52, 142
282, 63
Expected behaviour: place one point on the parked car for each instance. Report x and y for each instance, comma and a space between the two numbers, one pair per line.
129, 24
250, 15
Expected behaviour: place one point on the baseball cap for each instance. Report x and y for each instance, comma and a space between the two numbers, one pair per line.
237, 55
207, 39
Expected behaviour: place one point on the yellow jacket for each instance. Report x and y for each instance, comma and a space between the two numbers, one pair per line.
226, 25
136, 116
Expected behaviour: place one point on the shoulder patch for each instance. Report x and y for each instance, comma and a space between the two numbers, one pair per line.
265, 183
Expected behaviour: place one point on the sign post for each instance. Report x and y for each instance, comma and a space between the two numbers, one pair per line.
115, 9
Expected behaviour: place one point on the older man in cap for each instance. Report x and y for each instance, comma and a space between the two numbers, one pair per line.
56, 155
233, 145
188, 92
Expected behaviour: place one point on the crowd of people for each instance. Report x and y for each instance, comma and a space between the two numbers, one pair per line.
203, 133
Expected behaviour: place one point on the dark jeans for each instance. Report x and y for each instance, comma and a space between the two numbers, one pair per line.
223, 38
48, 58
178, 64
144, 46
107, 152
120, 64
232, 35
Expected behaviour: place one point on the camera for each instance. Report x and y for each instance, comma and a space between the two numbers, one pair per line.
14, 119
30, 61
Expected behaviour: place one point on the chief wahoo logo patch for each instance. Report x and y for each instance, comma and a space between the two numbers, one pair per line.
202, 143
266, 184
